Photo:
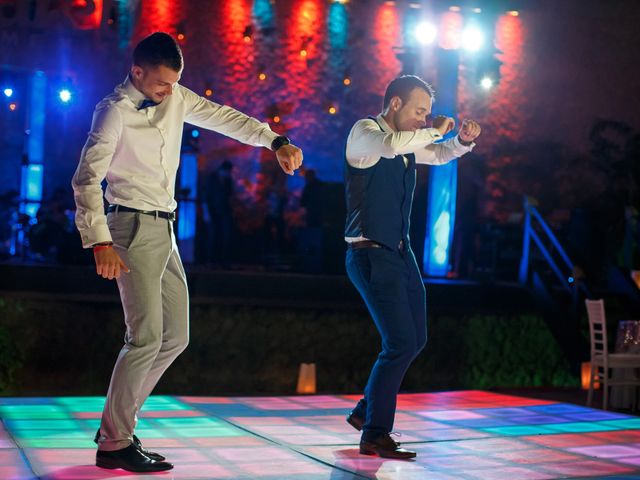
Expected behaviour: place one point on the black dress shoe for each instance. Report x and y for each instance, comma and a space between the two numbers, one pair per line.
385, 447
138, 444
130, 459
355, 421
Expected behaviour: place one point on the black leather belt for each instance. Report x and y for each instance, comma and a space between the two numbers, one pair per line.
365, 244
372, 244
171, 216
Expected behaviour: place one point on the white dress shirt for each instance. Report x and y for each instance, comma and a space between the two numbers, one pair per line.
368, 142
138, 152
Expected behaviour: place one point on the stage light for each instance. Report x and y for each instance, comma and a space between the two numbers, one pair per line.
513, 13
181, 36
486, 83
13, 106
477, 10
64, 95
454, 8
276, 119
332, 110
8, 92
472, 39
426, 33
347, 81
303, 53
262, 76
195, 133
208, 92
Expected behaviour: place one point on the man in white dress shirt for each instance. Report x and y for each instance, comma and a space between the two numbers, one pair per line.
134, 143
380, 177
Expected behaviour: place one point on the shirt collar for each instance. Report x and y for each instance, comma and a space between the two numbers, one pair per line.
131, 92
383, 124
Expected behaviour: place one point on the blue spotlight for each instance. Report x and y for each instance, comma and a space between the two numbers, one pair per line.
195, 133
65, 95
8, 92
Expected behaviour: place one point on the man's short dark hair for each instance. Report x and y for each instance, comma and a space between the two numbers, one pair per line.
403, 86
158, 49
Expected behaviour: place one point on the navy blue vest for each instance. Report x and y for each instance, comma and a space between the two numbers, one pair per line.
379, 200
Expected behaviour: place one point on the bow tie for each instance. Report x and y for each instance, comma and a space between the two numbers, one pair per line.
147, 103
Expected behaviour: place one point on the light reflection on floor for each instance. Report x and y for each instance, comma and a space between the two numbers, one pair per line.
458, 435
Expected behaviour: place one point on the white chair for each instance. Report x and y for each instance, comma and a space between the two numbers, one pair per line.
602, 361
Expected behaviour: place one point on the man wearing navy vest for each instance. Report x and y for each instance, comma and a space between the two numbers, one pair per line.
380, 177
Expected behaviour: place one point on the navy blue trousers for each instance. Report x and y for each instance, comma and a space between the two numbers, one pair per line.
391, 285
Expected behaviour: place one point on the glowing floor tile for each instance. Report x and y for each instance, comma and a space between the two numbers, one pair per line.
507, 473
451, 415
630, 423
32, 412
519, 430
13, 466
631, 461
586, 468
581, 427
564, 440
493, 445
535, 456
607, 451
5, 439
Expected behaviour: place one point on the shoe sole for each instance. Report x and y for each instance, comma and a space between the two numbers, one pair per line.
112, 465
366, 451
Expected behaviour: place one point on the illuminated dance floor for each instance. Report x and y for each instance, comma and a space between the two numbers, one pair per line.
458, 435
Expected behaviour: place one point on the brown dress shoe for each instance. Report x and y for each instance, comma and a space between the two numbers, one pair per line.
384, 446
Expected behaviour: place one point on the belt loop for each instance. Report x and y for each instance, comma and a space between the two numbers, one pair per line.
156, 215
117, 209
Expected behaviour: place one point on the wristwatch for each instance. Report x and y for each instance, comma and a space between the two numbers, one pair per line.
279, 142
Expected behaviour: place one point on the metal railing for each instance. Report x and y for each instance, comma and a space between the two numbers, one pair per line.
568, 276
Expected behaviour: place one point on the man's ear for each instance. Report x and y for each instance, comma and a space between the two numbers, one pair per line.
396, 104
136, 71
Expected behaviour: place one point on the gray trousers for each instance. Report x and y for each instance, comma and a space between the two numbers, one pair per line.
155, 301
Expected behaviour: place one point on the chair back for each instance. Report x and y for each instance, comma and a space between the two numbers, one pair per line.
597, 327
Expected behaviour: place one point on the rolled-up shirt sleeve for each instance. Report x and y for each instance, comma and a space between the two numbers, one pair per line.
367, 142
442, 152
95, 158
226, 120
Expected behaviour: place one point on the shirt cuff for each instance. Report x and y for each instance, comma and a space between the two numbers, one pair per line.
458, 145
434, 133
268, 137
97, 234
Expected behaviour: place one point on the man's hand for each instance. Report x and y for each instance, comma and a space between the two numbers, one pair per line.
469, 131
290, 158
443, 124
108, 263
